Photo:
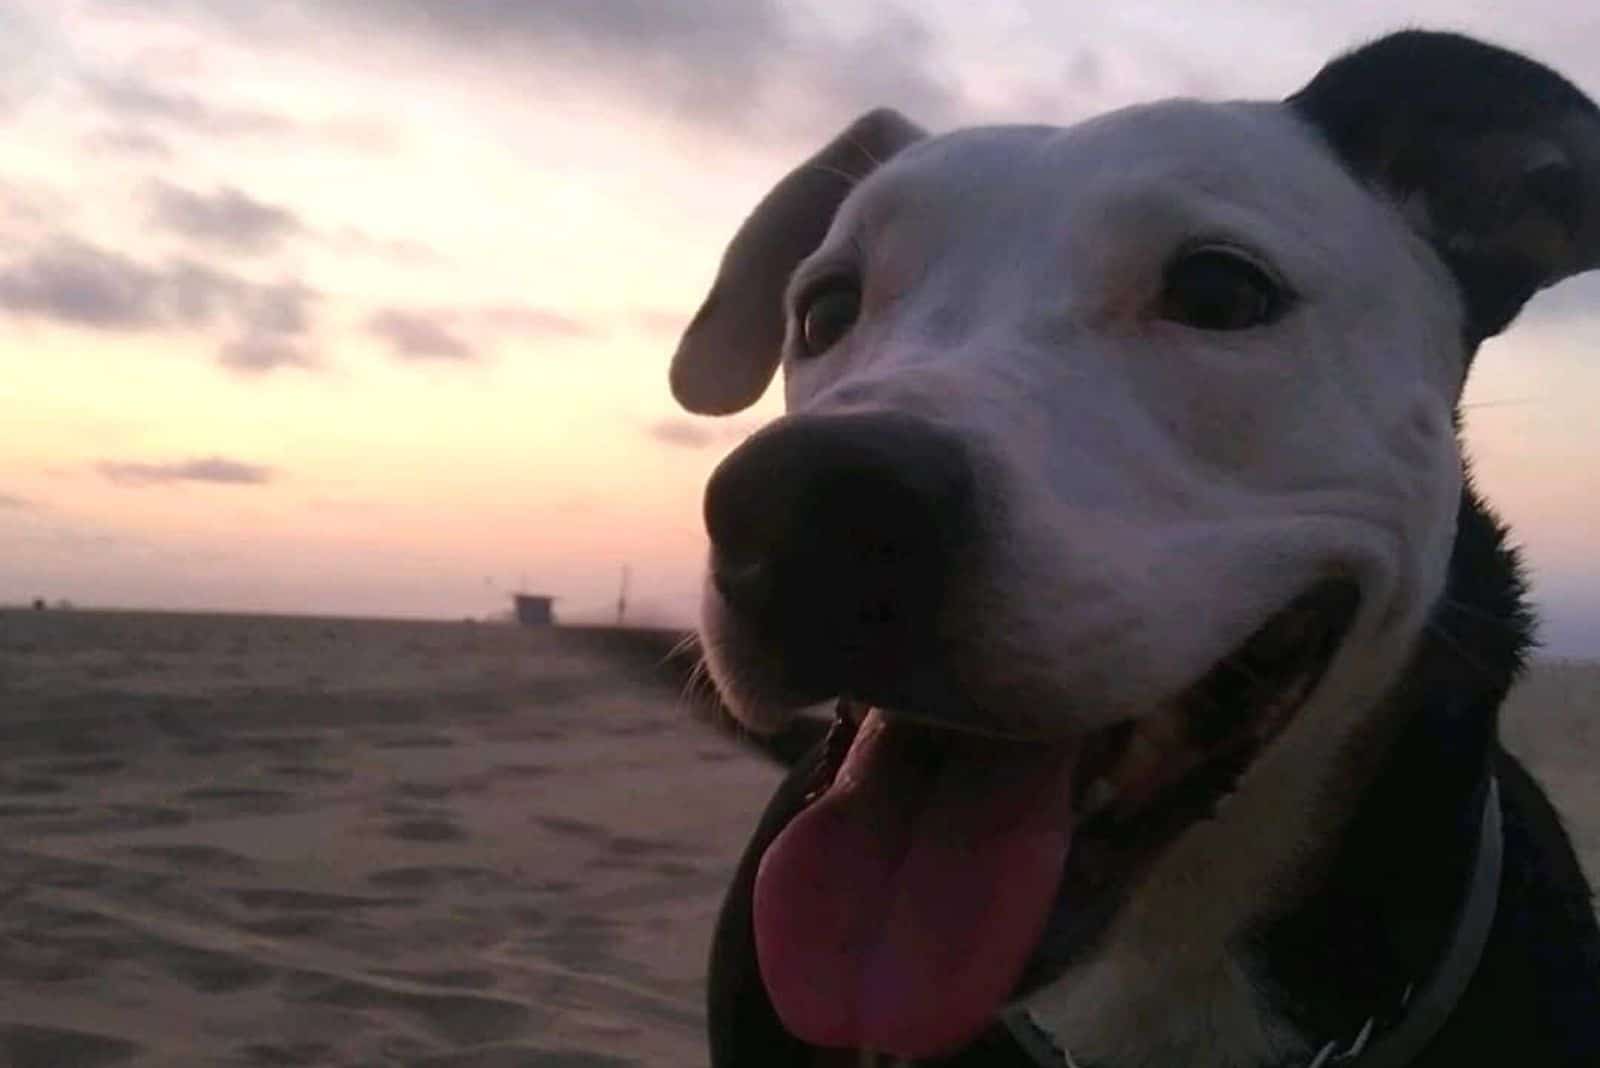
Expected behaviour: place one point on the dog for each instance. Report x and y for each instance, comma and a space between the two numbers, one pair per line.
1120, 517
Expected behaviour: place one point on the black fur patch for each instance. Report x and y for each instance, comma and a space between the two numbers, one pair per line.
1424, 112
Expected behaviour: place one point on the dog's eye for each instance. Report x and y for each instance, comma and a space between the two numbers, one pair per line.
1217, 288
827, 313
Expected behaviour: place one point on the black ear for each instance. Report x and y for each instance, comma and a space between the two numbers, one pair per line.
731, 348
1492, 157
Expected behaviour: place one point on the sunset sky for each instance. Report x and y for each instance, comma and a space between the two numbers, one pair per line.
364, 306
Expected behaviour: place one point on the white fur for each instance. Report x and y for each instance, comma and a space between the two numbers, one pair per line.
1152, 493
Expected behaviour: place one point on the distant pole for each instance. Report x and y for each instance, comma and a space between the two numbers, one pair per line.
622, 597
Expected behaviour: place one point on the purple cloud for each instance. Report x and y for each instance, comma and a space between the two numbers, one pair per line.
228, 218
214, 469
259, 353
534, 322
681, 433
420, 335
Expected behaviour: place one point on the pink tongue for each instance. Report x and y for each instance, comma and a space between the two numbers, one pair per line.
896, 913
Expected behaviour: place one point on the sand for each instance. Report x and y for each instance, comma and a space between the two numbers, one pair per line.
276, 841
251, 841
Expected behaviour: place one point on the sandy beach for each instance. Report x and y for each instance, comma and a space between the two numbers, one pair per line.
263, 841
258, 841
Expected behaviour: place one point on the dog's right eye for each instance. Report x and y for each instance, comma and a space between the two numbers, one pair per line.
827, 313
1217, 287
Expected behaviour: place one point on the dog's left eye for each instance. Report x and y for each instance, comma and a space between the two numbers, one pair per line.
827, 313
1220, 288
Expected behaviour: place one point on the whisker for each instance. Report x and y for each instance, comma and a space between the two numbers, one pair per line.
698, 687
685, 644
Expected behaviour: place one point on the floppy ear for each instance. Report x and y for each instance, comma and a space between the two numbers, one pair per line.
731, 348
1493, 158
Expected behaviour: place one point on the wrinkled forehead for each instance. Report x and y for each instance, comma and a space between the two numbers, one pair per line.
1248, 170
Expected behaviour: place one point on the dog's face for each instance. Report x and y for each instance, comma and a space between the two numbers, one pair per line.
1118, 478
1195, 369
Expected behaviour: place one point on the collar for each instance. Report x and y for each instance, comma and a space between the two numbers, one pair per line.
1422, 1011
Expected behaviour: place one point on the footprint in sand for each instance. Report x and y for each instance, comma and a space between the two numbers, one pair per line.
307, 900
640, 729
562, 825
123, 817
317, 926
311, 773
287, 746
196, 857
423, 791
73, 768
459, 1018
212, 972
201, 747
426, 829
440, 876
524, 771
518, 1055
628, 853
131, 817
286, 1054
83, 745
61, 945
31, 787
556, 886
632, 847
674, 869
413, 808
417, 741
250, 800
584, 941
461, 978
529, 916
24, 810
25, 1046
304, 914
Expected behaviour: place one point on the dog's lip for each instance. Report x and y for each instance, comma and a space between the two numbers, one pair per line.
1187, 754
1240, 705
1297, 640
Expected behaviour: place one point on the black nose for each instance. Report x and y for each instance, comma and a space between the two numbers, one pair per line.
837, 537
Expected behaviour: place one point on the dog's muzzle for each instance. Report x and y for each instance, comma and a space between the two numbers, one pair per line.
836, 539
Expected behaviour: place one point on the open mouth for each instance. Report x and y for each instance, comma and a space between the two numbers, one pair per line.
935, 874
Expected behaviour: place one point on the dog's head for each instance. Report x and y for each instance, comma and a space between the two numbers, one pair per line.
1119, 472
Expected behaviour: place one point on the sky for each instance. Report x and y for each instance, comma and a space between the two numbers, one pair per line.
365, 306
